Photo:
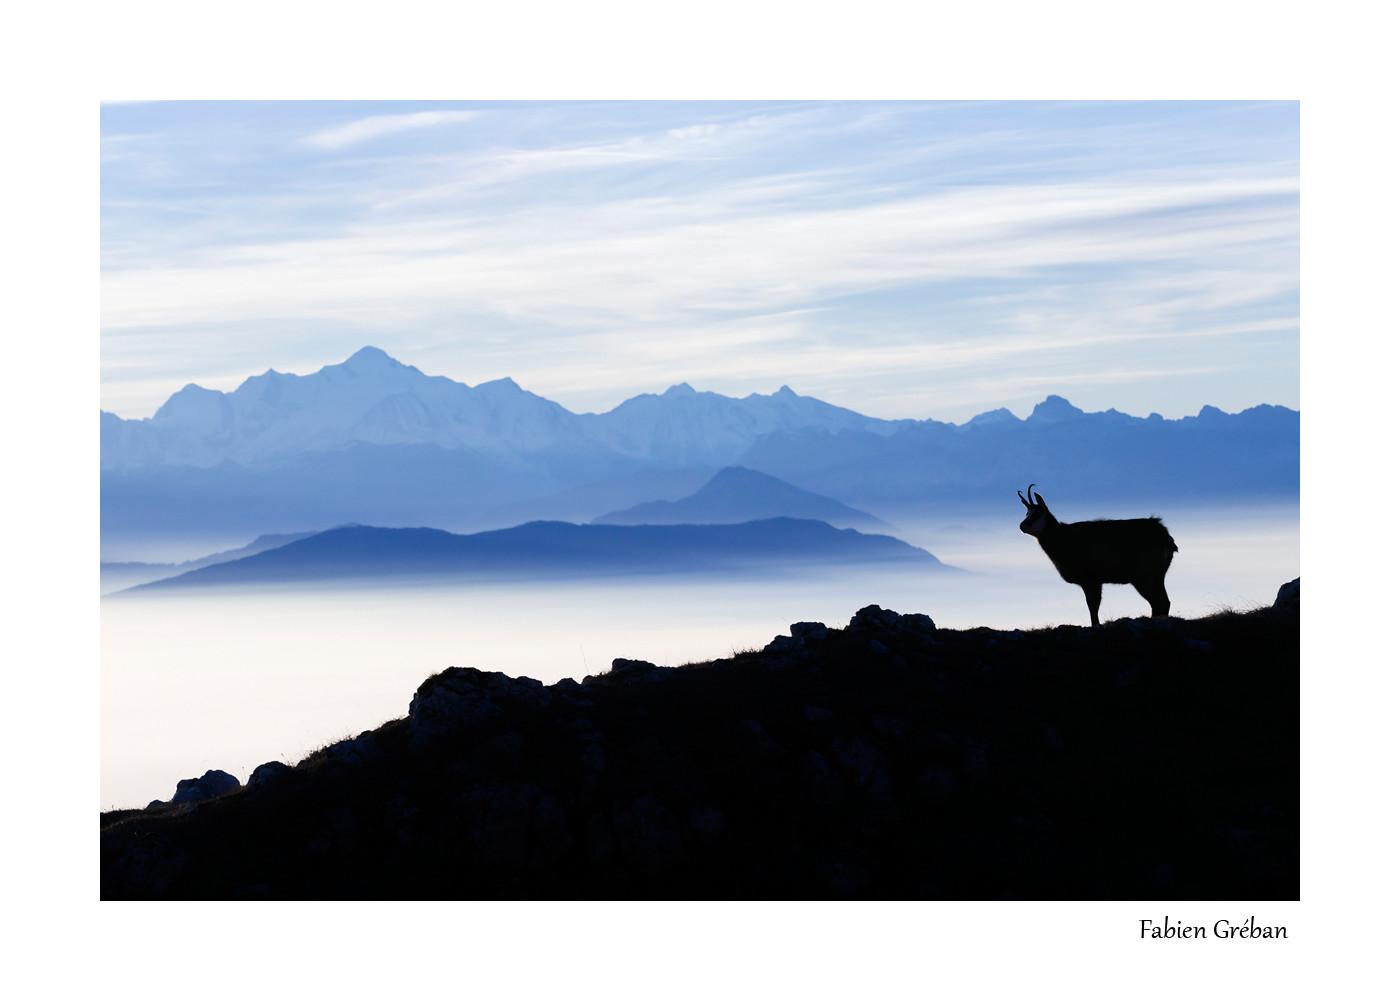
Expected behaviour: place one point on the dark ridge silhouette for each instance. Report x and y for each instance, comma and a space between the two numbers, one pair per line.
1147, 759
736, 494
551, 549
1136, 551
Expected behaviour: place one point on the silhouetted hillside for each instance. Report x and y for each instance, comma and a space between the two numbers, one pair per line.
1148, 759
736, 494
551, 549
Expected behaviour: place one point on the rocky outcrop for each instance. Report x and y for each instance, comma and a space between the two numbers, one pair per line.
889, 758
462, 697
212, 783
269, 771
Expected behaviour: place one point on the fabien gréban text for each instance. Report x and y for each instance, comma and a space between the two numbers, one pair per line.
1223, 928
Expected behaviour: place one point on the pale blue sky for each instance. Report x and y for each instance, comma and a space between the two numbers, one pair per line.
904, 259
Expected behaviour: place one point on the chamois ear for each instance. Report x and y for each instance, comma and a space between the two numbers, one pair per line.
1039, 499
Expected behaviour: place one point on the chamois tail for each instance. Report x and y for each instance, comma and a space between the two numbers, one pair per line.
1170, 541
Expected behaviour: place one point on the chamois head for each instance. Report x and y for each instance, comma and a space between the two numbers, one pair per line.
1038, 517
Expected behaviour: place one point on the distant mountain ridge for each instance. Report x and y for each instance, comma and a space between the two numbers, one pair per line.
546, 550
374, 441
736, 494
1212, 457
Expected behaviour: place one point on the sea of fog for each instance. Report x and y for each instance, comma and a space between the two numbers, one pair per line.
230, 679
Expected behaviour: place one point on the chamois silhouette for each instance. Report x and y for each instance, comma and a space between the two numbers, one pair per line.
1134, 551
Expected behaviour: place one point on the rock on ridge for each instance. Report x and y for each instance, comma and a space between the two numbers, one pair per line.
463, 696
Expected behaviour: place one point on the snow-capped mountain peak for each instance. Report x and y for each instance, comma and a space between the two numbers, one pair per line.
372, 398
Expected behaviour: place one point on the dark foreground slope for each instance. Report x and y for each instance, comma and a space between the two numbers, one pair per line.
1146, 759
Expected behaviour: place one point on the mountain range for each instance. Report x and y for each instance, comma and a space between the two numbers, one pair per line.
1212, 457
375, 441
373, 399
554, 550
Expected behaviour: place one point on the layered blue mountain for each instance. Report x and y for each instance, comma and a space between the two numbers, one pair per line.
116, 576
1212, 457
548, 550
736, 494
372, 440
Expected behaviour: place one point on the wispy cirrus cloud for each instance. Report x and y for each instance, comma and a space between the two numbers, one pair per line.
903, 259
678, 258
461, 175
363, 130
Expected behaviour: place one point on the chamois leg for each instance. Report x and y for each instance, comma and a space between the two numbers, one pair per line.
1155, 592
1162, 607
1093, 594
